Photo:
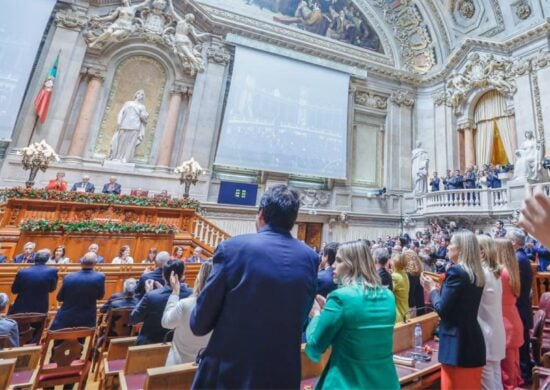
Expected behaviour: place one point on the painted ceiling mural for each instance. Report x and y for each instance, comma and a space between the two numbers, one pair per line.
336, 19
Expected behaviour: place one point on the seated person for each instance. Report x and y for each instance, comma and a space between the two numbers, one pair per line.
94, 248
58, 256
58, 184
3, 259
126, 298
84, 185
185, 345
155, 275
151, 307
177, 253
112, 187
151, 255
8, 327
28, 254
325, 277
196, 258
123, 256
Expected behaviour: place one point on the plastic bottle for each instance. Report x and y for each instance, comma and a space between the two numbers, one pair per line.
418, 339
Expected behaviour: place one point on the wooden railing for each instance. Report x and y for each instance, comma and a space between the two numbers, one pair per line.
206, 233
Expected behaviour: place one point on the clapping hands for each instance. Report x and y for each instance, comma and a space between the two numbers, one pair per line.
175, 283
318, 305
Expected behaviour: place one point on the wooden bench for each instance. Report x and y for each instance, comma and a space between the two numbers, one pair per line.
179, 376
7, 366
138, 360
114, 361
26, 366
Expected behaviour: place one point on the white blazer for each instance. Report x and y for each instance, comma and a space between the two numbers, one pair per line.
490, 317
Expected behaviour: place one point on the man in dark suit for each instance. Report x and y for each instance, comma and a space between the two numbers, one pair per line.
325, 277
94, 248
28, 254
435, 182
32, 285
126, 298
156, 275
381, 258
196, 258
151, 307
84, 185
256, 302
112, 187
79, 294
523, 302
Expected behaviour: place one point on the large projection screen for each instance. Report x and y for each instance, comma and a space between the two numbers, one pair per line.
284, 116
22, 25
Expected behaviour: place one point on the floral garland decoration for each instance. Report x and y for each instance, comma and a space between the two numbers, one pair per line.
44, 225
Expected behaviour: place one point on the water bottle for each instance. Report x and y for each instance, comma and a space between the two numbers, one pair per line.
418, 339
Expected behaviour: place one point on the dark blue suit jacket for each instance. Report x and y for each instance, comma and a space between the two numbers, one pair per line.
32, 286
150, 310
100, 259
256, 301
325, 281
19, 258
156, 275
435, 184
79, 294
3, 259
523, 302
89, 187
461, 341
116, 191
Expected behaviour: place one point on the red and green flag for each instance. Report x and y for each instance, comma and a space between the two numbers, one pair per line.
42, 101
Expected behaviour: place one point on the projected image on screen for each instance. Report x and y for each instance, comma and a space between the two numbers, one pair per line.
284, 116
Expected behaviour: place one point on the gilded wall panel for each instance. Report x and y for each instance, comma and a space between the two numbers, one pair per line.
134, 73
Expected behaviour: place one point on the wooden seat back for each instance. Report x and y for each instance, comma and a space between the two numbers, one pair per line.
29, 324
537, 333
142, 357
118, 322
5, 342
27, 357
7, 366
179, 376
118, 348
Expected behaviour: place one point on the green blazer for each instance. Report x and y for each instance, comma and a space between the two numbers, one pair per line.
358, 324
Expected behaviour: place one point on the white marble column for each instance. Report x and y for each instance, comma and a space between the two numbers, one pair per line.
169, 134
87, 111
469, 147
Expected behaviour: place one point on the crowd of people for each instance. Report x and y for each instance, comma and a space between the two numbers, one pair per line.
471, 178
262, 295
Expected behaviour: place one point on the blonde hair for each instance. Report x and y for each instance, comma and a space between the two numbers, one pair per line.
202, 276
506, 256
469, 255
412, 262
489, 257
398, 262
356, 256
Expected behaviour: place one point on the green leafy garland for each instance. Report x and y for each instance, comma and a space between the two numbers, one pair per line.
44, 225
110, 199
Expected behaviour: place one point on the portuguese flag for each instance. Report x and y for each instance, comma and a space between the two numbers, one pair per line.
42, 101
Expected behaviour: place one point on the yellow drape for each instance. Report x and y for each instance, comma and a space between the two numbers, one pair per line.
499, 153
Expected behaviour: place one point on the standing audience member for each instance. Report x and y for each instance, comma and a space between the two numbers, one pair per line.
8, 327
28, 254
500, 230
416, 292
511, 373
58, 184
461, 343
435, 183
84, 185
156, 275
79, 295
357, 321
401, 286
261, 284
112, 187
490, 316
58, 256
123, 256
517, 237
151, 256
381, 259
196, 257
325, 277
151, 307
544, 257
32, 285
185, 345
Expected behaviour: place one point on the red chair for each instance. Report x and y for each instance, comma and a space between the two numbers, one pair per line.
70, 350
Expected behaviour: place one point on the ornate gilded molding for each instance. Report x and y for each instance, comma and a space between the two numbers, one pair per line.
71, 19
371, 100
218, 54
402, 98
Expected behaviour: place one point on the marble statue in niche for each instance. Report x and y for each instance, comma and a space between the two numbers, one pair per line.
123, 24
529, 157
420, 165
130, 131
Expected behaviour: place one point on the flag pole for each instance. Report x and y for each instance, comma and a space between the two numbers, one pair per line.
33, 129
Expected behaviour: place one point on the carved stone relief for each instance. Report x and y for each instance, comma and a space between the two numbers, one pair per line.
402, 98
312, 199
71, 19
218, 54
467, 9
523, 10
371, 100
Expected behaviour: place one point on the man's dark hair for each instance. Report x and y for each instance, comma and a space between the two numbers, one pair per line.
330, 252
173, 265
42, 256
404, 240
280, 205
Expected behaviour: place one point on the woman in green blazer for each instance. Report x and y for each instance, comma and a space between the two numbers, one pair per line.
357, 321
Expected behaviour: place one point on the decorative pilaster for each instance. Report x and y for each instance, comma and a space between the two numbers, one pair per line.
82, 130
170, 127
469, 143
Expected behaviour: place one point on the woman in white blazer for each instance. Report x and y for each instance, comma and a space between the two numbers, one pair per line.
490, 316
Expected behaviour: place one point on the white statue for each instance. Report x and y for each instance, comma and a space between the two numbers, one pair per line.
420, 164
529, 158
130, 131
185, 41
122, 26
